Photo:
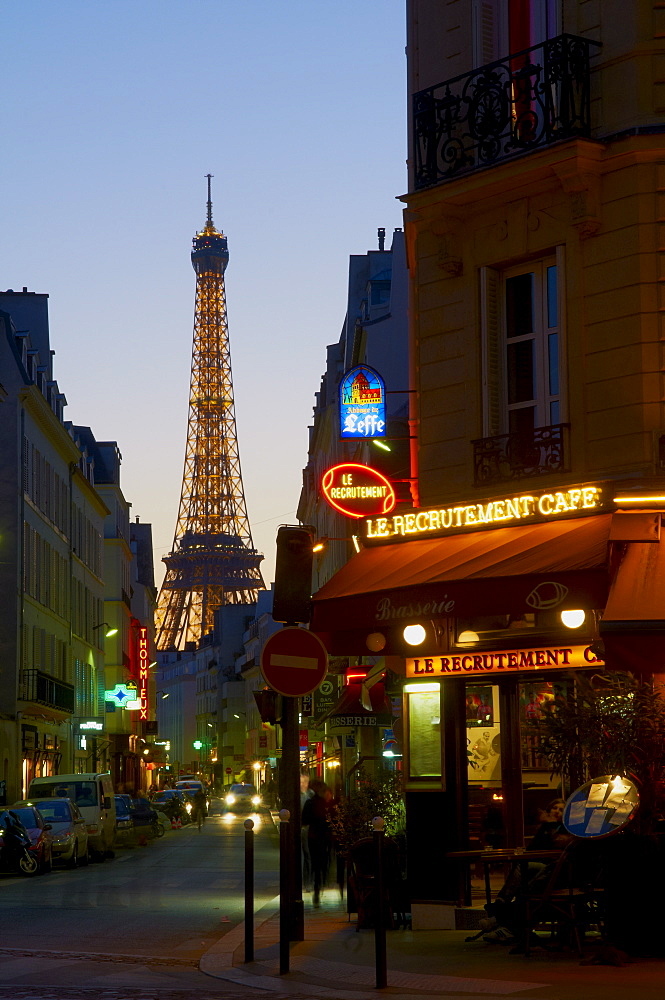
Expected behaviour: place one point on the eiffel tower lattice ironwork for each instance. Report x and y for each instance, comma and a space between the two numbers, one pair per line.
213, 561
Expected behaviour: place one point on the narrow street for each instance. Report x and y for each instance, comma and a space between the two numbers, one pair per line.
137, 923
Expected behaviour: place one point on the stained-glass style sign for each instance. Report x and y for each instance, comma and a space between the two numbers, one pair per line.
362, 404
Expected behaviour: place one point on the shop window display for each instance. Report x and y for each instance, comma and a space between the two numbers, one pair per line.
533, 699
483, 734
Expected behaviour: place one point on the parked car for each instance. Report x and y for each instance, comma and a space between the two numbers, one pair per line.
41, 842
93, 794
69, 831
124, 823
242, 798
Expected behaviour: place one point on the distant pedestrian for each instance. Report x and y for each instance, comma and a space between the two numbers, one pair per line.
306, 794
316, 817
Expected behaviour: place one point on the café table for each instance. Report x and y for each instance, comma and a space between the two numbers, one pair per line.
510, 857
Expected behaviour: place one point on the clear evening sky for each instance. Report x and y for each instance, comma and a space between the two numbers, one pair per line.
113, 112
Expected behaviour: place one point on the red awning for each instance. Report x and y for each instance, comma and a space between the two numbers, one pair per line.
350, 704
556, 564
633, 624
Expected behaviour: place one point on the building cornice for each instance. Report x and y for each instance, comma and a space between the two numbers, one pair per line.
33, 402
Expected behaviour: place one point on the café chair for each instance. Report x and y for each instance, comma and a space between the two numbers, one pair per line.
555, 901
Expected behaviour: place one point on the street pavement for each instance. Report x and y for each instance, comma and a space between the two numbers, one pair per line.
336, 961
136, 925
166, 923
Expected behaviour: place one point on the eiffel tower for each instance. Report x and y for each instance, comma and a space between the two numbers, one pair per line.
213, 561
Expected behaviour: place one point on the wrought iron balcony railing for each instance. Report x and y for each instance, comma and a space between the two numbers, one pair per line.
520, 456
42, 689
525, 101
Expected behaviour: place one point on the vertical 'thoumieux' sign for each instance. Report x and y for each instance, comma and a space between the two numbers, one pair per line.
362, 404
143, 670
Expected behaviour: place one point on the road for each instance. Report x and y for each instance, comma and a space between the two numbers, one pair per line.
135, 925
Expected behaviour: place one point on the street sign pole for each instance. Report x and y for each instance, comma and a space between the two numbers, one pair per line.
289, 791
293, 662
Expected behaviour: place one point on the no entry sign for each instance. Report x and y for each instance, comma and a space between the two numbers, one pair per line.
294, 662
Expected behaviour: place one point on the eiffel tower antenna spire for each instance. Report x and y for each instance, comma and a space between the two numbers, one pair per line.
213, 561
209, 222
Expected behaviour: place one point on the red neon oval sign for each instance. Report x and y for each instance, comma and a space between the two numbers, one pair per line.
358, 491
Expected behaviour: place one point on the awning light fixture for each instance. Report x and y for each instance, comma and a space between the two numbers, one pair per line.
415, 635
468, 636
574, 618
375, 642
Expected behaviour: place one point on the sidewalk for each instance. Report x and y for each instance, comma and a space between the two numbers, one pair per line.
336, 961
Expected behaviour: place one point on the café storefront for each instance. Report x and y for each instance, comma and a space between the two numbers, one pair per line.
489, 610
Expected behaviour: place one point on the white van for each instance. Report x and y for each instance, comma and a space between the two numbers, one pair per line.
93, 794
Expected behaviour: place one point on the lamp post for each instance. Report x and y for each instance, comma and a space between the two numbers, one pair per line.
110, 629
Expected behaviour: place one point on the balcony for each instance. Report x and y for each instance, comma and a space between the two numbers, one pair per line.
42, 689
507, 457
526, 101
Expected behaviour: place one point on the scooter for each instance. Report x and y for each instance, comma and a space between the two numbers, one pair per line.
15, 854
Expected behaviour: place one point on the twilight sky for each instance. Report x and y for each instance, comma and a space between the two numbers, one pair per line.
113, 112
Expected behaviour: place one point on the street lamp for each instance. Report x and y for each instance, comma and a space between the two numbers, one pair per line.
109, 629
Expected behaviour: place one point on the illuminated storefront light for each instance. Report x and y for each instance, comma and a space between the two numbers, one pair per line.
494, 513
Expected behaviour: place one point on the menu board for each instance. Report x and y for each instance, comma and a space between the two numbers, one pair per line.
601, 807
424, 734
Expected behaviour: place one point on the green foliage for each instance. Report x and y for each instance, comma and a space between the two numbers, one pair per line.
612, 724
377, 794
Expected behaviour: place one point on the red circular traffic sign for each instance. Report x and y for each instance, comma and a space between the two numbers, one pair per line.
294, 662
229, 770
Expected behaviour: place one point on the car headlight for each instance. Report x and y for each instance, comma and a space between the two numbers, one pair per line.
256, 800
230, 799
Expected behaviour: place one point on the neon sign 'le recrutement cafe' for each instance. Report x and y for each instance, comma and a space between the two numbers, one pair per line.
417, 524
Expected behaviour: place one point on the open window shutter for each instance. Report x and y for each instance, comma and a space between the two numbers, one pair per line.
489, 31
563, 346
491, 355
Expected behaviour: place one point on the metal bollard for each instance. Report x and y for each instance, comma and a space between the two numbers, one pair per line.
284, 890
379, 923
249, 890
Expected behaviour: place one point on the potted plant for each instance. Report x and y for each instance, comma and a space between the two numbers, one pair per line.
614, 723
372, 794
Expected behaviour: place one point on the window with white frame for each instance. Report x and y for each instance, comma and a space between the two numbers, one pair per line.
522, 347
531, 347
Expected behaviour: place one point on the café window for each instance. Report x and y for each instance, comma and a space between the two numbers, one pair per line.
483, 735
522, 347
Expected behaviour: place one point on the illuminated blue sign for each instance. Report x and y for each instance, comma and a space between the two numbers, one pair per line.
124, 696
362, 404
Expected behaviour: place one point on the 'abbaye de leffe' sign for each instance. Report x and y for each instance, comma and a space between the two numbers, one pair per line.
362, 404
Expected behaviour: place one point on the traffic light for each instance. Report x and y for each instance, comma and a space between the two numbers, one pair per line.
292, 602
266, 702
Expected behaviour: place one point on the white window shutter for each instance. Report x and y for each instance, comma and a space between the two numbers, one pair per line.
491, 355
490, 22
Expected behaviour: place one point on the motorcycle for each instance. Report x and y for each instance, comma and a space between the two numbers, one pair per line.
15, 853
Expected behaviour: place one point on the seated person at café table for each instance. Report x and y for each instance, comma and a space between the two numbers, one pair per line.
551, 835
